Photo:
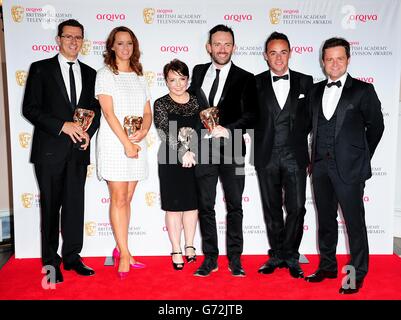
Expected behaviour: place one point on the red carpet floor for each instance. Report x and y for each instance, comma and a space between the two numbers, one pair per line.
21, 279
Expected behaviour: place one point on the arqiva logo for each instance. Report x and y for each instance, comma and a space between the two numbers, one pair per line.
174, 49
238, 17
302, 49
45, 47
111, 16
366, 79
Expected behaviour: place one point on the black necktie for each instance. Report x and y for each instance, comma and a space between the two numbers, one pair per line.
213, 90
73, 92
277, 78
334, 83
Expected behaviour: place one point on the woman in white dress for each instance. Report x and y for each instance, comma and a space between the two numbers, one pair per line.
121, 160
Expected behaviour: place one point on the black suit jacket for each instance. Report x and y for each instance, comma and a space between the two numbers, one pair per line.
47, 106
359, 128
300, 84
237, 104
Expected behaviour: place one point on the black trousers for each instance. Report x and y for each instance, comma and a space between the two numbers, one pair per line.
233, 182
330, 191
283, 173
61, 187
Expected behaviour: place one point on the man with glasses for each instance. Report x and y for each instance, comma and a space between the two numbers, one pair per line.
54, 88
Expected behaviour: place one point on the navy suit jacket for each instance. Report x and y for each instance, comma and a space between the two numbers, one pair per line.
47, 106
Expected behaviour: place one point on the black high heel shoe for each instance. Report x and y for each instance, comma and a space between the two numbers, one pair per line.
177, 266
190, 258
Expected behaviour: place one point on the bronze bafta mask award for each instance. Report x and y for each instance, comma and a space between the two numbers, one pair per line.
210, 118
185, 136
83, 118
132, 124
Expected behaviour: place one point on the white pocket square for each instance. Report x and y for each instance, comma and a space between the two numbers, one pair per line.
301, 96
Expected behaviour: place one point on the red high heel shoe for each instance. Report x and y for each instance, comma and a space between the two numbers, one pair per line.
136, 265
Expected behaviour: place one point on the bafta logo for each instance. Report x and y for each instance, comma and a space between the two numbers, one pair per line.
26, 199
24, 139
20, 77
89, 171
148, 15
90, 228
150, 198
150, 77
17, 12
275, 14
86, 47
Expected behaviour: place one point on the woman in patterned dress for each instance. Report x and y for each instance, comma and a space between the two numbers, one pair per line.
121, 160
176, 115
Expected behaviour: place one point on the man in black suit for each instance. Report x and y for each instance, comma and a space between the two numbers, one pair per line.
347, 127
281, 153
54, 88
233, 91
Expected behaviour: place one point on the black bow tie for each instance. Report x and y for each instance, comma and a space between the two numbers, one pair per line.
334, 83
277, 78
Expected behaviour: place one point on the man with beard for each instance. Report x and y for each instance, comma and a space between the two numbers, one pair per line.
233, 91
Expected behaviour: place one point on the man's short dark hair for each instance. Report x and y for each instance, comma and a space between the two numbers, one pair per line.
336, 42
70, 23
277, 36
220, 27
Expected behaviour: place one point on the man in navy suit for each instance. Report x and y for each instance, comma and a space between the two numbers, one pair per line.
281, 153
54, 88
232, 90
347, 125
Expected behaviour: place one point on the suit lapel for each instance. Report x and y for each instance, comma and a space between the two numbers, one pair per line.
84, 76
200, 79
342, 104
59, 78
293, 96
230, 78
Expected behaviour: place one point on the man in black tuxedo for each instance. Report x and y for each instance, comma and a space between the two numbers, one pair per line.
233, 91
347, 127
54, 88
281, 153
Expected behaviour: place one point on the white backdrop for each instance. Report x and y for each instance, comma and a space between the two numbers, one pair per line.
179, 29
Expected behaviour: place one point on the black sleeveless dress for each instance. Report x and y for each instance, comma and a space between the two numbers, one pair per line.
177, 184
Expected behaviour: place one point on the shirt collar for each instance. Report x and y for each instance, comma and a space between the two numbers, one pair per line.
63, 60
273, 74
224, 70
343, 78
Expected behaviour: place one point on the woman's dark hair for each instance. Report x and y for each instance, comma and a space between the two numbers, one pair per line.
178, 66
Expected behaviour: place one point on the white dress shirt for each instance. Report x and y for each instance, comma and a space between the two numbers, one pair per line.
209, 78
331, 96
65, 71
281, 88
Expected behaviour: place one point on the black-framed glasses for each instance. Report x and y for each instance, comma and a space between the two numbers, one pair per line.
69, 37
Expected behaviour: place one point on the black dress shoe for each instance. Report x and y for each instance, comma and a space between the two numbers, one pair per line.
209, 265
295, 268
271, 265
80, 268
56, 277
349, 290
320, 275
235, 267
